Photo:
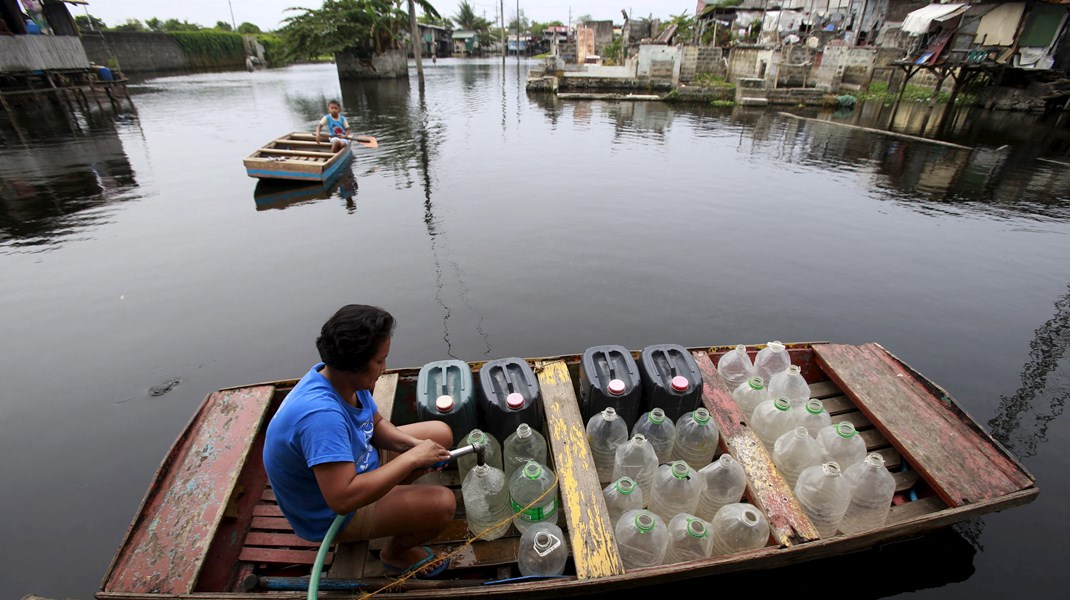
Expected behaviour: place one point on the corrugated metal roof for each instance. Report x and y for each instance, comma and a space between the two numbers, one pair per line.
918, 21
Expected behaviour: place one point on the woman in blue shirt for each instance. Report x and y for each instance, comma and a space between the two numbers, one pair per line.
322, 451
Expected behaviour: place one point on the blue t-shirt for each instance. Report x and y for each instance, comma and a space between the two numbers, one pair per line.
314, 425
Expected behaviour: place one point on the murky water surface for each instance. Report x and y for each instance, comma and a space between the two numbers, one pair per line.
142, 269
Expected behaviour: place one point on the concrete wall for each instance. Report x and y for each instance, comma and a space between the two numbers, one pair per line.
700, 60
658, 62
389, 65
743, 62
137, 52
603, 34
40, 52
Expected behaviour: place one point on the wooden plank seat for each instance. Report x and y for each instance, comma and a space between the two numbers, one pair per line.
166, 547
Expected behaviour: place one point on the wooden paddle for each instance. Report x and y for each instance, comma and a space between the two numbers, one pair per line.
365, 140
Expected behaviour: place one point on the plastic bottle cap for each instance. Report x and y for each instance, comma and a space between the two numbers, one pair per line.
845, 429
782, 403
532, 470
616, 387
756, 383
477, 437
644, 522
697, 529
444, 403
656, 416
625, 486
680, 383
814, 406
515, 400
680, 470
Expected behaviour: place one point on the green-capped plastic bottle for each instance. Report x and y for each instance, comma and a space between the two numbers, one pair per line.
534, 483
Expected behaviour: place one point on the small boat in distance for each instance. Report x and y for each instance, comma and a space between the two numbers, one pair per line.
210, 527
298, 156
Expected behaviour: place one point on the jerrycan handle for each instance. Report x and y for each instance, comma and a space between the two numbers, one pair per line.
444, 379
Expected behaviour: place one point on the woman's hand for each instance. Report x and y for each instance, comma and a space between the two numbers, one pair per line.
425, 454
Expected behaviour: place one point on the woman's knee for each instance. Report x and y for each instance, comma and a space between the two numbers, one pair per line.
443, 504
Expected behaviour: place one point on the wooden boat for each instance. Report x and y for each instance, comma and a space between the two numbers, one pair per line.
209, 528
297, 157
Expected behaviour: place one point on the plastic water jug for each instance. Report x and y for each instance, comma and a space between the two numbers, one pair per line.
749, 394
609, 377
696, 439
872, 488
534, 483
671, 380
795, 451
790, 384
725, 481
642, 538
605, 431
445, 392
772, 419
492, 455
824, 494
523, 445
509, 395
621, 496
636, 459
659, 431
689, 539
842, 443
812, 416
486, 502
771, 360
735, 366
542, 550
739, 527
676, 490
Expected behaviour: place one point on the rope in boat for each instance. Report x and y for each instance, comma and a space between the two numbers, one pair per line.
328, 540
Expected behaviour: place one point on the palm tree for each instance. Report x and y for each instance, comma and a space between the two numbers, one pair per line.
466, 18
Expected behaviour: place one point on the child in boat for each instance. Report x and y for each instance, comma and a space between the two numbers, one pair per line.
323, 445
337, 126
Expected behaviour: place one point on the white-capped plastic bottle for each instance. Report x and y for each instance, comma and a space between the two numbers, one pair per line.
842, 444
790, 384
528, 485
689, 539
642, 538
771, 360
659, 431
795, 451
812, 416
636, 459
523, 445
725, 482
542, 550
621, 496
749, 394
486, 502
872, 489
676, 490
696, 438
771, 420
738, 527
605, 431
492, 455
735, 366
824, 494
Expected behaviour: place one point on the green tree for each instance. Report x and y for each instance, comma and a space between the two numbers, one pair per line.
248, 28
524, 23
89, 23
154, 24
467, 19
130, 25
537, 29
172, 25
223, 26
685, 25
580, 20
362, 26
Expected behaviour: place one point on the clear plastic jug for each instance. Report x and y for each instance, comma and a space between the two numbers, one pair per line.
689, 539
795, 451
824, 494
621, 496
749, 394
486, 502
772, 419
872, 489
771, 360
812, 416
642, 538
790, 384
605, 431
542, 550
725, 482
676, 490
636, 459
534, 483
739, 527
523, 445
659, 430
842, 444
696, 439
492, 456
735, 366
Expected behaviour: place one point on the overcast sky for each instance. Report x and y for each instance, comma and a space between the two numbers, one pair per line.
267, 14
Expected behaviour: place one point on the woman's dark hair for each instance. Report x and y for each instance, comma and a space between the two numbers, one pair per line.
350, 339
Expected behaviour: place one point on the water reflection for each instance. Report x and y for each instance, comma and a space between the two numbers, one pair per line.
57, 180
273, 194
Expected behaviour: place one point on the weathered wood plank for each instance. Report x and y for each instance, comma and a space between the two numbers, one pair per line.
913, 510
765, 486
454, 533
281, 556
267, 510
590, 530
385, 389
838, 404
961, 465
270, 524
904, 480
166, 546
824, 389
268, 495
278, 540
502, 551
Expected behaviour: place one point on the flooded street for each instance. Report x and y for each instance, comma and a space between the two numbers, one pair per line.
142, 269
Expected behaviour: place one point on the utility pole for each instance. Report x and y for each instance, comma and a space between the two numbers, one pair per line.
416, 41
518, 31
505, 46
233, 23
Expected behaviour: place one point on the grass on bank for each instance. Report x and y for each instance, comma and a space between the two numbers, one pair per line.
878, 92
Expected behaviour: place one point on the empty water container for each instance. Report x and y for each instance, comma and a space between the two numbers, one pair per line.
725, 481
486, 502
790, 384
772, 419
824, 494
842, 443
735, 366
749, 394
689, 539
795, 451
444, 392
872, 488
739, 527
659, 431
609, 377
509, 395
605, 431
533, 495
642, 538
492, 455
696, 438
621, 496
542, 551
671, 380
812, 416
771, 360
523, 445
676, 490
636, 459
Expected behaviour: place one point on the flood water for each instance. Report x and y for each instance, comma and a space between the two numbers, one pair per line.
142, 269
